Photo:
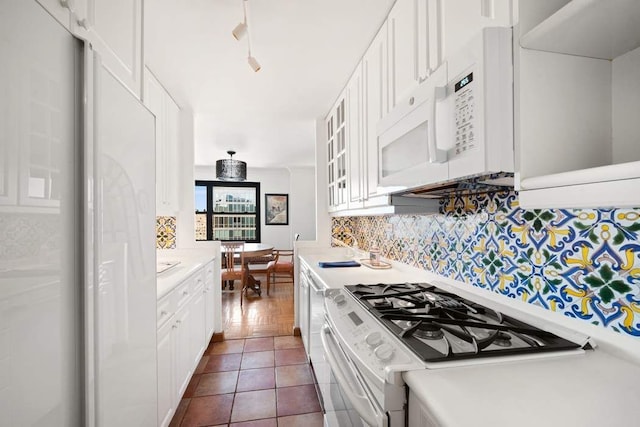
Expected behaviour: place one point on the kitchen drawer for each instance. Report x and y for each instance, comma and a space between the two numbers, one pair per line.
166, 308
197, 281
183, 292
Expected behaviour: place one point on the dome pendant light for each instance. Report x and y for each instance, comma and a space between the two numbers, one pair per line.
231, 169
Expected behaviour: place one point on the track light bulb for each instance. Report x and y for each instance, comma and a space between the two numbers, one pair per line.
239, 31
253, 64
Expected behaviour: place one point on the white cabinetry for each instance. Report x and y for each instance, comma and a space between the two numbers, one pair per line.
167, 113
403, 59
114, 28
209, 302
355, 141
375, 106
303, 311
579, 96
463, 20
182, 336
337, 155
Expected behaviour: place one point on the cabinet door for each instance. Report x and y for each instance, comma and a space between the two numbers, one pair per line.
196, 325
167, 174
184, 362
337, 156
430, 38
166, 373
375, 106
115, 31
209, 303
403, 65
355, 147
463, 19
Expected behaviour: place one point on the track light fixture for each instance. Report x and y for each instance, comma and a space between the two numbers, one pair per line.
239, 32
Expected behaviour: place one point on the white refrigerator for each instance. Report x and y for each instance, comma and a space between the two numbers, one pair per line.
77, 233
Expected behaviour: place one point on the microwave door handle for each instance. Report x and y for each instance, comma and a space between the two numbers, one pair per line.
436, 155
360, 402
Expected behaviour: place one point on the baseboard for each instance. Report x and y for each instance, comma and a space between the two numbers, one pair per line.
217, 337
296, 331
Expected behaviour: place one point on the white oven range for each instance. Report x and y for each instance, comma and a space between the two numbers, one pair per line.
369, 343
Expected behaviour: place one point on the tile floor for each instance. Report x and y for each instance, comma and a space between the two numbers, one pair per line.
253, 382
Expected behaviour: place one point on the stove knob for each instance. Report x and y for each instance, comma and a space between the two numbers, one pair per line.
373, 339
384, 352
340, 299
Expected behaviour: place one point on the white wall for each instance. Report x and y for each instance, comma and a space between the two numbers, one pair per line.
302, 202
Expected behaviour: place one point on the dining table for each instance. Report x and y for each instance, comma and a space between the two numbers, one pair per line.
255, 253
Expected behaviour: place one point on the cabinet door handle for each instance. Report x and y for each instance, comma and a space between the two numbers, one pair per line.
163, 313
185, 293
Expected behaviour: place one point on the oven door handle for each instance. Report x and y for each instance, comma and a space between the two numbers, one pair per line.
360, 400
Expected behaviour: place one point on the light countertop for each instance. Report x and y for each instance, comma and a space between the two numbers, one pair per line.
190, 260
590, 389
596, 388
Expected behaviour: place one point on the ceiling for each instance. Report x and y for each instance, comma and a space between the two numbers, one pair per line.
307, 50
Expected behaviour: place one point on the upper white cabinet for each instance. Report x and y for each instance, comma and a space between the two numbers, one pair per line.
114, 28
355, 141
403, 59
336, 150
463, 20
375, 84
579, 97
167, 113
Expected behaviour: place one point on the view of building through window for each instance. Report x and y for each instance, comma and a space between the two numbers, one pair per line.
227, 210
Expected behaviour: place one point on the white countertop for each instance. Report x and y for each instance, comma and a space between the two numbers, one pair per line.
596, 388
190, 261
592, 389
341, 276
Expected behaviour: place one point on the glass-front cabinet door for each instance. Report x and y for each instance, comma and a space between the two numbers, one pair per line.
337, 157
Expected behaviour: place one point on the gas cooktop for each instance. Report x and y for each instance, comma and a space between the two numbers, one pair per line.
441, 326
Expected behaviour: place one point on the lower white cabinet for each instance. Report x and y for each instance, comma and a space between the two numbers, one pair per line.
185, 326
166, 375
209, 303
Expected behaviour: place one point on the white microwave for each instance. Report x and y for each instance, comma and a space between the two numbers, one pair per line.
457, 123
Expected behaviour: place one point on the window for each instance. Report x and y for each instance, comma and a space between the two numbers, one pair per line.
227, 210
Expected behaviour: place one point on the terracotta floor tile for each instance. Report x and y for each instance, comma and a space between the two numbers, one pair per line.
223, 362
257, 359
201, 365
191, 387
256, 379
254, 405
179, 414
291, 356
287, 342
290, 375
314, 419
216, 383
226, 347
267, 422
297, 400
258, 344
208, 410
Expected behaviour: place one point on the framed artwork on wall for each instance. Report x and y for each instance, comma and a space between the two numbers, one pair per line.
276, 209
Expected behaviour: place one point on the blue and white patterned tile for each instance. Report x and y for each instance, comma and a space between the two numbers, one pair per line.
583, 263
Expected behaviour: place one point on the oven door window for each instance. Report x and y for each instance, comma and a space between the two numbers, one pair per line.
346, 398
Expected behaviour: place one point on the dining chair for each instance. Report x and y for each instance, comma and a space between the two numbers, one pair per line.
260, 266
234, 265
282, 266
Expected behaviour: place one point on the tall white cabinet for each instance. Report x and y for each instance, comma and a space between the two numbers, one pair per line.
167, 113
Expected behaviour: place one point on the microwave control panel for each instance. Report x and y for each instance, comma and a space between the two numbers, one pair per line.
464, 115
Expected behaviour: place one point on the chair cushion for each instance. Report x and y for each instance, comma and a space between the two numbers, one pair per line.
283, 266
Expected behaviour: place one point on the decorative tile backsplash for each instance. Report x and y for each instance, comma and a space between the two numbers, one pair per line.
584, 263
165, 232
